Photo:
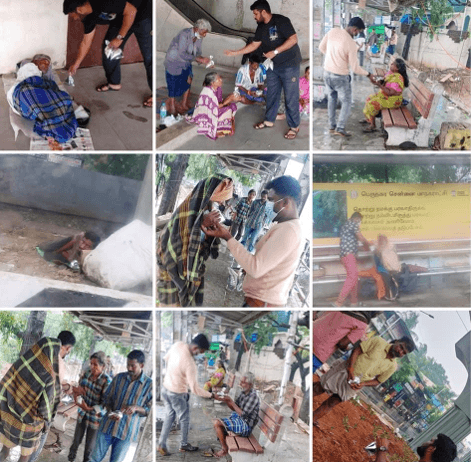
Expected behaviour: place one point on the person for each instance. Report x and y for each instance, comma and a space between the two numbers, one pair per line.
124, 18
304, 90
128, 400
373, 38
30, 394
372, 362
392, 42
249, 82
181, 248
374, 273
349, 236
244, 415
185, 48
279, 43
214, 117
257, 217
89, 397
439, 449
240, 215
338, 329
270, 272
70, 251
340, 52
389, 95
179, 377
109, 367
360, 40
37, 97
388, 265
217, 378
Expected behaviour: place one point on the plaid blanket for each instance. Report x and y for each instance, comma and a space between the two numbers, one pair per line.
182, 249
41, 100
30, 393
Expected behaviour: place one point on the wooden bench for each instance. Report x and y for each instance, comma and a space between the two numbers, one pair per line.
400, 123
271, 424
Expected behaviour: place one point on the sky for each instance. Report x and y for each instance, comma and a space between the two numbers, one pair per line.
440, 335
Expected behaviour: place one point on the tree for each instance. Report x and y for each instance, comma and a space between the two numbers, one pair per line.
124, 165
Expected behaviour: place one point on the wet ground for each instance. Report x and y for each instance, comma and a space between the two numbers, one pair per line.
118, 119
185, 138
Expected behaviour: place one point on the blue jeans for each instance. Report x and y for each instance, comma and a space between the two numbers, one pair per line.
119, 448
42, 442
338, 88
288, 80
142, 30
250, 237
176, 404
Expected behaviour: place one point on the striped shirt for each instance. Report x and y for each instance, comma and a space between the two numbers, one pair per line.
93, 397
120, 394
242, 211
258, 215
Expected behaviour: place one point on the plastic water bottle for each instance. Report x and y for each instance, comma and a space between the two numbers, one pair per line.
163, 111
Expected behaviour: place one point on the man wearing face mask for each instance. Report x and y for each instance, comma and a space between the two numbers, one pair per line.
128, 400
270, 272
30, 394
181, 376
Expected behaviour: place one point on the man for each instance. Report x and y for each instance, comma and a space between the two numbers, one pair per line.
257, 217
340, 52
349, 236
270, 272
373, 38
440, 449
279, 42
128, 400
30, 394
372, 362
124, 17
181, 376
244, 416
89, 397
240, 214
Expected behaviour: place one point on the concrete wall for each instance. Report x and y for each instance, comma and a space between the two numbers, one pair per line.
29, 27
40, 184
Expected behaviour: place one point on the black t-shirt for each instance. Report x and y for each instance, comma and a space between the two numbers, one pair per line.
108, 11
274, 34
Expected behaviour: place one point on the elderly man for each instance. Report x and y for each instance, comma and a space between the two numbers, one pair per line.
128, 400
30, 393
181, 376
279, 42
37, 97
183, 50
124, 18
244, 416
371, 363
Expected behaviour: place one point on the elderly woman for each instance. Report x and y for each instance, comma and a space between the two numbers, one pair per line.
214, 117
217, 378
183, 50
37, 97
389, 95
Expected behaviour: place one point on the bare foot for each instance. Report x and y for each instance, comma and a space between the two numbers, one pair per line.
281, 117
220, 453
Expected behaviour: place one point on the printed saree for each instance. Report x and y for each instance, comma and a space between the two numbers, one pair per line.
375, 103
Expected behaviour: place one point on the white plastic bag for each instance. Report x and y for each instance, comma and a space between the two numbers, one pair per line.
124, 260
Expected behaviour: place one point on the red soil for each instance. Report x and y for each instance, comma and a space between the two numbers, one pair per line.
344, 432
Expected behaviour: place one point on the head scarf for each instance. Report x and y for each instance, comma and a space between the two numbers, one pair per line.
182, 250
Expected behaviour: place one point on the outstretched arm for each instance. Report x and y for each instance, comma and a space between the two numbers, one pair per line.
247, 49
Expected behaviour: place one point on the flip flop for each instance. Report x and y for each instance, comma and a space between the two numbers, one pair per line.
369, 130
209, 453
262, 125
103, 88
294, 133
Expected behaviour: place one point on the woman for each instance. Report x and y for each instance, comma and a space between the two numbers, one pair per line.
214, 117
217, 379
183, 50
182, 249
390, 94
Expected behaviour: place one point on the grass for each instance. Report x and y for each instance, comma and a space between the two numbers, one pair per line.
345, 421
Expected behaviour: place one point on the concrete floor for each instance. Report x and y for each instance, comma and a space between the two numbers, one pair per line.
245, 137
118, 120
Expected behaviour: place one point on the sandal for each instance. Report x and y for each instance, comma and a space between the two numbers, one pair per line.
263, 125
369, 130
292, 133
148, 102
364, 122
106, 87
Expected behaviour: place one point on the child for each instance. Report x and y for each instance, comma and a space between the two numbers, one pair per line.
304, 100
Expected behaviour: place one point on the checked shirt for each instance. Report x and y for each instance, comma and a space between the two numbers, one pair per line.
250, 405
258, 215
242, 211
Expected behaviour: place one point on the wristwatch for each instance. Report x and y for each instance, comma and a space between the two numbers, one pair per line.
275, 51
382, 448
120, 37
369, 73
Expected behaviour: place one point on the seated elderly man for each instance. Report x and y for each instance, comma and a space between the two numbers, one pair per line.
36, 96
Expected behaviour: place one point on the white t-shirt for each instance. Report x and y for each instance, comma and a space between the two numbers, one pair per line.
361, 41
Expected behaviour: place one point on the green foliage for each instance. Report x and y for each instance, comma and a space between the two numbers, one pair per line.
265, 330
201, 166
439, 10
345, 424
12, 323
166, 319
329, 213
131, 166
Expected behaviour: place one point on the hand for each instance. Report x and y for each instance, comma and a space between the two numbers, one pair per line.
115, 43
73, 69
129, 410
203, 60
356, 386
217, 231
382, 442
114, 417
372, 79
211, 219
350, 373
217, 397
269, 55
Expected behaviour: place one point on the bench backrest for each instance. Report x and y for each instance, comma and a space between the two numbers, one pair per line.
230, 380
270, 421
422, 97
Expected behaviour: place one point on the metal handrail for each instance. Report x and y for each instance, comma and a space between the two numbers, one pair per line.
335, 246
